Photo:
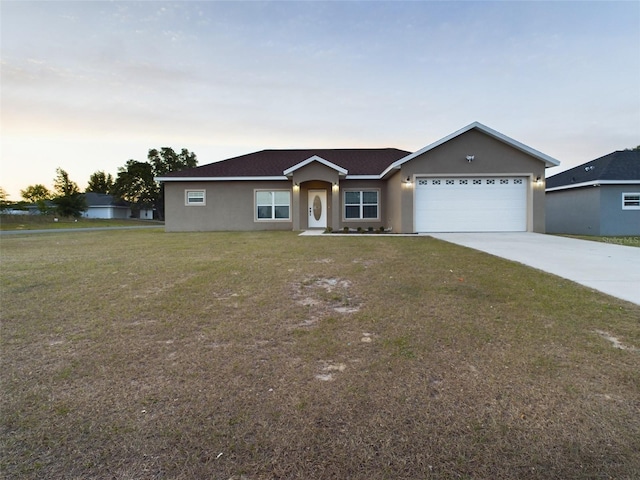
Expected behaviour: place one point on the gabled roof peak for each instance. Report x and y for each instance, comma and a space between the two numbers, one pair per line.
315, 158
548, 161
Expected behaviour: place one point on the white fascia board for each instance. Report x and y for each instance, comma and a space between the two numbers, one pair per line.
548, 161
394, 166
315, 158
593, 183
217, 179
363, 177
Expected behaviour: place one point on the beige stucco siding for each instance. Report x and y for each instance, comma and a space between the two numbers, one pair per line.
228, 206
491, 157
393, 202
315, 171
383, 197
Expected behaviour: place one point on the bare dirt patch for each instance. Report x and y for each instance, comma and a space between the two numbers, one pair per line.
329, 371
324, 296
615, 342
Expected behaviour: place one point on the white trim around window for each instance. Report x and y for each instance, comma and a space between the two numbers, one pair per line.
631, 201
195, 198
361, 204
272, 205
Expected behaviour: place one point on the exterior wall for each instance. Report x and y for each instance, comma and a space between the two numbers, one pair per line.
574, 211
107, 212
228, 206
613, 219
145, 214
592, 211
491, 157
381, 186
393, 202
315, 171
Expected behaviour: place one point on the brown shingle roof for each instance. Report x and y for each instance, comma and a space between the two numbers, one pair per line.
271, 163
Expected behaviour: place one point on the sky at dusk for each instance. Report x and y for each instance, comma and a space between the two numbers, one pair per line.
88, 85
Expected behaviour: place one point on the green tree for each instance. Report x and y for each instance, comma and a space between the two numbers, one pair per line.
68, 200
63, 185
4, 201
38, 194
100, 182
135, 181
166, 161
136, 185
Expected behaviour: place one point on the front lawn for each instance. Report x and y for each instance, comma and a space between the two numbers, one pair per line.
51, 222
147, 355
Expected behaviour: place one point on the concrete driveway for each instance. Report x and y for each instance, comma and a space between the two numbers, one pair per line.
612, 269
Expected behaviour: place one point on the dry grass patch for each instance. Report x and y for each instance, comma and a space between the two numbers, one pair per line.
148, 355
54, 222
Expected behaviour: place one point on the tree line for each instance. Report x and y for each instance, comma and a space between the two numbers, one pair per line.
134, 183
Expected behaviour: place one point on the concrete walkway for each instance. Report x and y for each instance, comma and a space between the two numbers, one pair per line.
608, 268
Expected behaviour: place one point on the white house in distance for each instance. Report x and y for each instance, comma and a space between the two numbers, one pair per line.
102, 205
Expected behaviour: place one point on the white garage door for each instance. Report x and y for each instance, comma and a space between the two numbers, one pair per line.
482, 204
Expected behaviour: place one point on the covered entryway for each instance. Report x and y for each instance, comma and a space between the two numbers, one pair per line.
471, 204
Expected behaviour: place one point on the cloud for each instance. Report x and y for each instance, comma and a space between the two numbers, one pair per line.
561, 76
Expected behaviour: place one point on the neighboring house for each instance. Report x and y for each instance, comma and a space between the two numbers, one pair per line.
99, 205
475, 179
102, 205
601, 197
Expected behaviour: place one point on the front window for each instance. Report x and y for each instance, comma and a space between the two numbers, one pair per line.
631, 201
274, 205
361, 204
195, 197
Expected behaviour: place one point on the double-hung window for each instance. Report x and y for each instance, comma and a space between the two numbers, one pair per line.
631, 201
195, 197
361, 204
273, 205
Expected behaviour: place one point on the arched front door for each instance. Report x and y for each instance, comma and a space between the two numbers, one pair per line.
317, 209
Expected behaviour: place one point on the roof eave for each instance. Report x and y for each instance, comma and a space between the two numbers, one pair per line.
315, 158
220, 179
593, 183
362, 177
548, 161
